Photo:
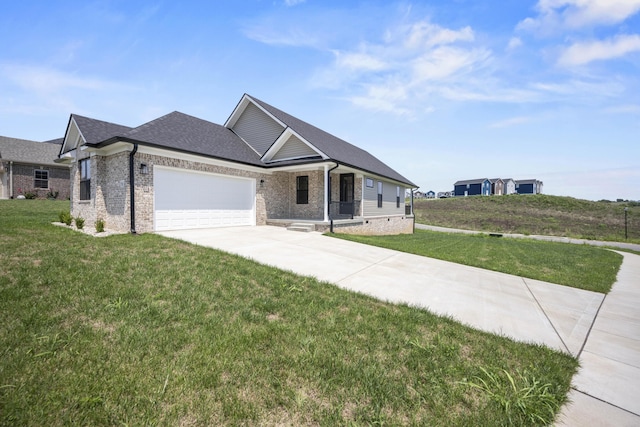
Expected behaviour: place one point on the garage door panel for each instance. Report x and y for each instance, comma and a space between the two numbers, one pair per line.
187, 199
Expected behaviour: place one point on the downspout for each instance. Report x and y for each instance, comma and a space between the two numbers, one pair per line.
132, 188
11, 179
329, 195
414, 215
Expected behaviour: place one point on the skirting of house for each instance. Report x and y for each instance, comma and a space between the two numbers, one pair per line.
382, 225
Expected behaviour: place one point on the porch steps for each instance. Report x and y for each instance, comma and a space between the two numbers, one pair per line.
301, 226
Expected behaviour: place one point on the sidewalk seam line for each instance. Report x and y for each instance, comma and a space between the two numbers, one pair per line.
604, 401
545, 315
586, 337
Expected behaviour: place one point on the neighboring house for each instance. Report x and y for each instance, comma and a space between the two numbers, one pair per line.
29, 167
418, 195
263, 166
430, 194
472, 187
528, 186
497, 187
445, 194
509, 186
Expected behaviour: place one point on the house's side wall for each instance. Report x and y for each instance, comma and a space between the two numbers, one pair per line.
389, 204
24, 180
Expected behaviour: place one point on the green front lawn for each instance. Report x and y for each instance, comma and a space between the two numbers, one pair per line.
578, 266
145, 330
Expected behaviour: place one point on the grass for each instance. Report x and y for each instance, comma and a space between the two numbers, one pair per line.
534, 214
578, 266
145, 330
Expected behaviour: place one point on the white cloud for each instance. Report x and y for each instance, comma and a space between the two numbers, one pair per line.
410, 61
584, 52
359, 61
559, 14
514, 43
290, 3
48, 80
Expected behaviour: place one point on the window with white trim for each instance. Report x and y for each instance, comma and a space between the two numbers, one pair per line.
85, 179
41, 179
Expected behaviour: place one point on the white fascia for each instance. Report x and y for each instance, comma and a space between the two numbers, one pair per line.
282, 139
72, 145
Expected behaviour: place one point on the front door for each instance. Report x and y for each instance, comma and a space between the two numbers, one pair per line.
346, 194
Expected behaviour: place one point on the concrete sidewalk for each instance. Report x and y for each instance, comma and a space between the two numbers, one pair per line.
523, 309
621, 245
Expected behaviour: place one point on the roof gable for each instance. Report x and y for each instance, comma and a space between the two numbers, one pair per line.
331, 146
290, 147
256, 127
472, 181
84, 130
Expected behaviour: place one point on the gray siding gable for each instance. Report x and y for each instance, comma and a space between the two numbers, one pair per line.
335, 148
258, 129
294, 147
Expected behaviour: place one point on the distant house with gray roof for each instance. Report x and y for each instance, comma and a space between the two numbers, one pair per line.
529, 186
472, 187
263, 166
29, 167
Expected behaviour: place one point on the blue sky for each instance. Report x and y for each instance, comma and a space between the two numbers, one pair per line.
440, 90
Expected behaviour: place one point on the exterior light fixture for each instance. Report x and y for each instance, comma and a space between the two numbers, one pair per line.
144, 169
262, 183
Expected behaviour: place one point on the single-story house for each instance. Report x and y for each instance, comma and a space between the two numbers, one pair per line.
497, 187
472, 187
263, 166
528, 186
28, 167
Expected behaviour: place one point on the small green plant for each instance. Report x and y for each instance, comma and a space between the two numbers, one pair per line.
100, 225
52, 195
79, 223
523, 398
30, 194
65, 217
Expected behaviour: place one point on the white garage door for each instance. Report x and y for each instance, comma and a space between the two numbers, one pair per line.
187, 199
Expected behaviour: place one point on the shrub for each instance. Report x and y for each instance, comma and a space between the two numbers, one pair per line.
100, 225
79, 223
65, 217
30, 194
52, 195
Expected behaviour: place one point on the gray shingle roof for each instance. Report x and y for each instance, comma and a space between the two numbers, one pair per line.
95, 131
190, 134
26, 151
334, 147
471, 181
182, 132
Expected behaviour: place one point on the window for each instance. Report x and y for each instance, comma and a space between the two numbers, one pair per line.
85, 179
41, 179
302, 190
397, 197
369, 183
379, 194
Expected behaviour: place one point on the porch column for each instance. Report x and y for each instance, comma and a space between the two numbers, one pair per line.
326, 193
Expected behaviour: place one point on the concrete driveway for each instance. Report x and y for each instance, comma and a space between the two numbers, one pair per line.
604, 332
523, 309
